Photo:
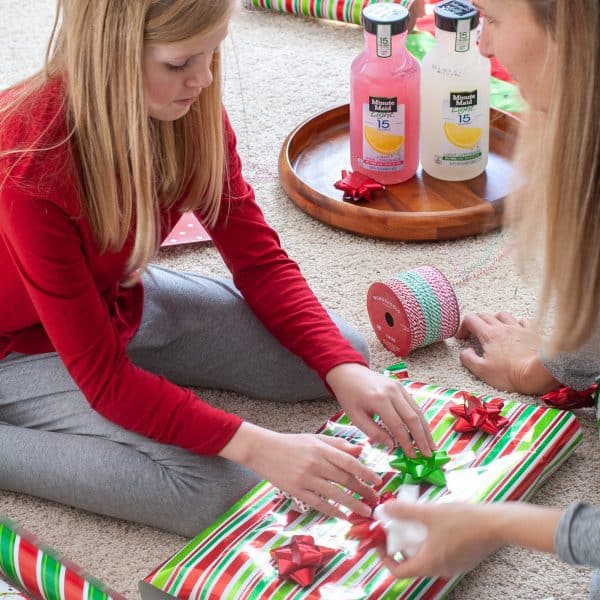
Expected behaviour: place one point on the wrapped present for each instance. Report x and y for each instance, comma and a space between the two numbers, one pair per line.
234, 558
41, 572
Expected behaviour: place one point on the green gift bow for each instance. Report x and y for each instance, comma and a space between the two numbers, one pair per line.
422, 468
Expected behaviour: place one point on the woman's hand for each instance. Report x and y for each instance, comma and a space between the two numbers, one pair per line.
307, 466
460, 536
510, 354
362, 393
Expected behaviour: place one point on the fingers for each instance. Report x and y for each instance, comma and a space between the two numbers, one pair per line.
407, 511
399, 418
337, 467
418, 566
414, 419
329, 490
396, 425
321, 505
376, 434
335, 474
473, 324
507, 318
423, 563
475, 363
349, 464
402, 416
341, 444
527, 323
486, 318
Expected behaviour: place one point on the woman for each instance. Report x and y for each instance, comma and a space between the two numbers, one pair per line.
100, 153
552, 49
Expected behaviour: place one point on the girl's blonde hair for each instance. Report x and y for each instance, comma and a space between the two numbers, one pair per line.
558, 208
130, 165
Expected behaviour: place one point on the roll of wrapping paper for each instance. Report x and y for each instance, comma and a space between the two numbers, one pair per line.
412, 310
41, 572
336, 10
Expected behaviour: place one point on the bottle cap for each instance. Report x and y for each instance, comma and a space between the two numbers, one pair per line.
449, 13
384, 13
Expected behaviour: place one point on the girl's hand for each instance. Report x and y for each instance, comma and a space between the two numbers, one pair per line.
317, 469
510, 354
362, 393
459, 537
462, 535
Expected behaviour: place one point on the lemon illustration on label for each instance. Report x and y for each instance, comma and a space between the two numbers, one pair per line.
462, 137
381, 142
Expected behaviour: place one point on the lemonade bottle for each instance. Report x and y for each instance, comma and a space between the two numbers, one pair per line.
455, 97
384, 99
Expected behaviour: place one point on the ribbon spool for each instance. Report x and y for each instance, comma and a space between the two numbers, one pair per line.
413, 310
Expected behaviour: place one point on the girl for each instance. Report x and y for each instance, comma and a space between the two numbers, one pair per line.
100, 153
552, 49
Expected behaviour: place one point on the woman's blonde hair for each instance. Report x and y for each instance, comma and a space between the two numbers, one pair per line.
558, 208
130, 165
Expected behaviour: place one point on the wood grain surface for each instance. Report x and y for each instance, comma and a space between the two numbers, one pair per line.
424, 208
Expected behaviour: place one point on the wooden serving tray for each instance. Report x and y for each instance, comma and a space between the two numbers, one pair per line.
424, 208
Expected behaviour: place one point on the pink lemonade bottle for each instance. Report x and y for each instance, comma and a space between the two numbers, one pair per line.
385, 99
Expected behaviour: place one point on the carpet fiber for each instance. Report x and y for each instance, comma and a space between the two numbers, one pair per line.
280, 69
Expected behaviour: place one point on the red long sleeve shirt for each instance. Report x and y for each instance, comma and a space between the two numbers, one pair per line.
59, 293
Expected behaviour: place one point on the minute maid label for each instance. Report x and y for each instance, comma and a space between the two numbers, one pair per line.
384, 131
463, 127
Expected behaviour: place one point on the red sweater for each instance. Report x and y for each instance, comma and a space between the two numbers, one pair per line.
58, 293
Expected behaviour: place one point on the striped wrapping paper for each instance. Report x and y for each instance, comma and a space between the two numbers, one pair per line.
337, 10
41, 572
230, 560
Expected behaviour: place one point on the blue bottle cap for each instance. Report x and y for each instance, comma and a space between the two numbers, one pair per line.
449, 12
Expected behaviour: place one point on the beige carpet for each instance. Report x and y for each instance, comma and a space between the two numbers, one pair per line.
281, 69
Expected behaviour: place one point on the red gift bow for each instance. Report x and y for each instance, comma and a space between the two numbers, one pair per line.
382, 499
357, 187
301, 558
366, 529
568, 398
474, 414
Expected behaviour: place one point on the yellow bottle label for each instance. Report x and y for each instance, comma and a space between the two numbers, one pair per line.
384, 134
463, 123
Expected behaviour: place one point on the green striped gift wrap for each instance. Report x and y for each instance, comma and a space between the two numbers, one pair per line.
337, 10
231, 559
42, 573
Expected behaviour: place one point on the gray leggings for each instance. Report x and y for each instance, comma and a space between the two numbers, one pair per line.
196, 331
